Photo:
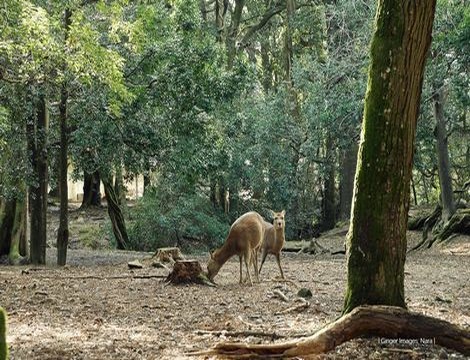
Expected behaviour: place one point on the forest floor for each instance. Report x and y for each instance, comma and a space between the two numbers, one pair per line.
97, 308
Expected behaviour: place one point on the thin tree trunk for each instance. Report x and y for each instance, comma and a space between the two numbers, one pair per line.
119, 188
346, 188
116, 216
377, 235
445, 180
37, 143
63, 231
329, 208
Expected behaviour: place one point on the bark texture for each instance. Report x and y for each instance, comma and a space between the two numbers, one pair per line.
377, 237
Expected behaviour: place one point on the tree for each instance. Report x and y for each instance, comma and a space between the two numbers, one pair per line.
376, 243
63, 231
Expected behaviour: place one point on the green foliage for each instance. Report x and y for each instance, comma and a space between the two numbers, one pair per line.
188, 221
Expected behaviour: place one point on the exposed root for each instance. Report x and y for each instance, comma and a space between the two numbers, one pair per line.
364, 321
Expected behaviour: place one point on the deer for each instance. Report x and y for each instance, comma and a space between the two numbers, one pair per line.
244, 239
274, 238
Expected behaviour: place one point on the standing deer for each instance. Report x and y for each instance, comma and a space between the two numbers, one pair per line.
244, 240
274, 239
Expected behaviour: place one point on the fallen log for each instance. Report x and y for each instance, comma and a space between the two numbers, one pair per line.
364, 321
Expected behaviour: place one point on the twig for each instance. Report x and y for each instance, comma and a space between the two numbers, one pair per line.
272, 335
279, 294
302, 306
105, 277
286, 281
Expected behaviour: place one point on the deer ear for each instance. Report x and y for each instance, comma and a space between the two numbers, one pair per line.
211, 255
283, 212
272, 213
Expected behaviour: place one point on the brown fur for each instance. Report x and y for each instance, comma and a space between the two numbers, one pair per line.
244, 240
274, 238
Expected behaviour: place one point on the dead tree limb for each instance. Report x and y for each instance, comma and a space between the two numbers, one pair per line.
364, 321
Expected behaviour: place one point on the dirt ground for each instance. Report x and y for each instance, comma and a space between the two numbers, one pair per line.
97, 308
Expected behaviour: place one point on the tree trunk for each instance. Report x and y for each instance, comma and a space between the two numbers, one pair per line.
329, 208
13, 229
3, 335
232, 36
91, 190
116, 216
266, 65
346, 187
220, 7
37, 145
377, 236
63, 231
147, 182
119, 187
445, 180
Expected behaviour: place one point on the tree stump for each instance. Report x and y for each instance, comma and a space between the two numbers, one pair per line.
187, 272
168, 254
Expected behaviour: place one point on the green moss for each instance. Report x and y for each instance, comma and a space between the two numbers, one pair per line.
3, 335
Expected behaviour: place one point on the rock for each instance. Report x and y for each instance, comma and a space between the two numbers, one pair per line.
305, 293
136, 264
443, 354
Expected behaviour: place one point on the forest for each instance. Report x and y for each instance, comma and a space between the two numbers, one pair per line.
330, 112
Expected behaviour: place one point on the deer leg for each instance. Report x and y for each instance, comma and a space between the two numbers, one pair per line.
263, 258
278, 259
255, 263
247, 264
241, 268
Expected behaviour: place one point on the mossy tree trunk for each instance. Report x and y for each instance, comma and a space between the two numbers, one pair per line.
377, 237
13, 229
37, 129
3, 335
115, 215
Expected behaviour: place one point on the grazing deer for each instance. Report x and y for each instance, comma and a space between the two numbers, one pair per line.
274, 239
244, 240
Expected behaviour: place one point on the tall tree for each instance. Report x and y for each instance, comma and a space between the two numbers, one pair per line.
37, 145
442, 148
63, 231
376, 244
